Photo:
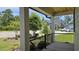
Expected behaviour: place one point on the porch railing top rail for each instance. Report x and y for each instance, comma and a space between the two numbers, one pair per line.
35, 38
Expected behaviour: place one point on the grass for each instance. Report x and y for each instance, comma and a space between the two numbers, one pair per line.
7, 44
64, 38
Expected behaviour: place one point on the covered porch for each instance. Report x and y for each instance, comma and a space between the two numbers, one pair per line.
49, 12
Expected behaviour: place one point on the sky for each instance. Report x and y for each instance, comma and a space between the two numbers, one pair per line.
15, 11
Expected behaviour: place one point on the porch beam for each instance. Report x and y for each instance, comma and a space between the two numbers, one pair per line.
63, 13
24, 29
40, 10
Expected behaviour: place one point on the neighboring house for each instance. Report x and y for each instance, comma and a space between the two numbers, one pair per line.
59, 23
68, 27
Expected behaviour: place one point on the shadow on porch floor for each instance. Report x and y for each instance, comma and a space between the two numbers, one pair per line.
60, 46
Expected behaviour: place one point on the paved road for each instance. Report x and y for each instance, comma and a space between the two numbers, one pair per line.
62, 32
10, 34
7, 34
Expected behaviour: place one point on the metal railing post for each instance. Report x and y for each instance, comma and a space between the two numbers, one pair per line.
52, 37
45, 39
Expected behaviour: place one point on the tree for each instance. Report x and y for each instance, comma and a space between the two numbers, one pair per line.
8, 21
34, 22
0, 20
67, 19
45, 27
7, 17
15, 25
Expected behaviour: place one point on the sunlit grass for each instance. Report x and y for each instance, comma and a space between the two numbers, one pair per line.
64, 38
7, 44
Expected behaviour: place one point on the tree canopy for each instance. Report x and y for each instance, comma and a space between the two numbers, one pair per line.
67, 19
8, 21
34, 22
45, 28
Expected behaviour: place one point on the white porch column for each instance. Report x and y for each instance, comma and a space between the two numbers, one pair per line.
24, 29
53, 28
76, 40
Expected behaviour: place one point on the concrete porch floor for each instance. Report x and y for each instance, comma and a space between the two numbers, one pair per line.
60, 46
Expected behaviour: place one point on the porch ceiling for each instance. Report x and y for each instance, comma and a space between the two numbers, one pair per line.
57, 10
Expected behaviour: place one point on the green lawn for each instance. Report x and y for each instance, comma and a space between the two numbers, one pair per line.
64, 38
7, 44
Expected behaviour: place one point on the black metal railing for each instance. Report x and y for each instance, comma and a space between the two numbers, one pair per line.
53, 37
44, 40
